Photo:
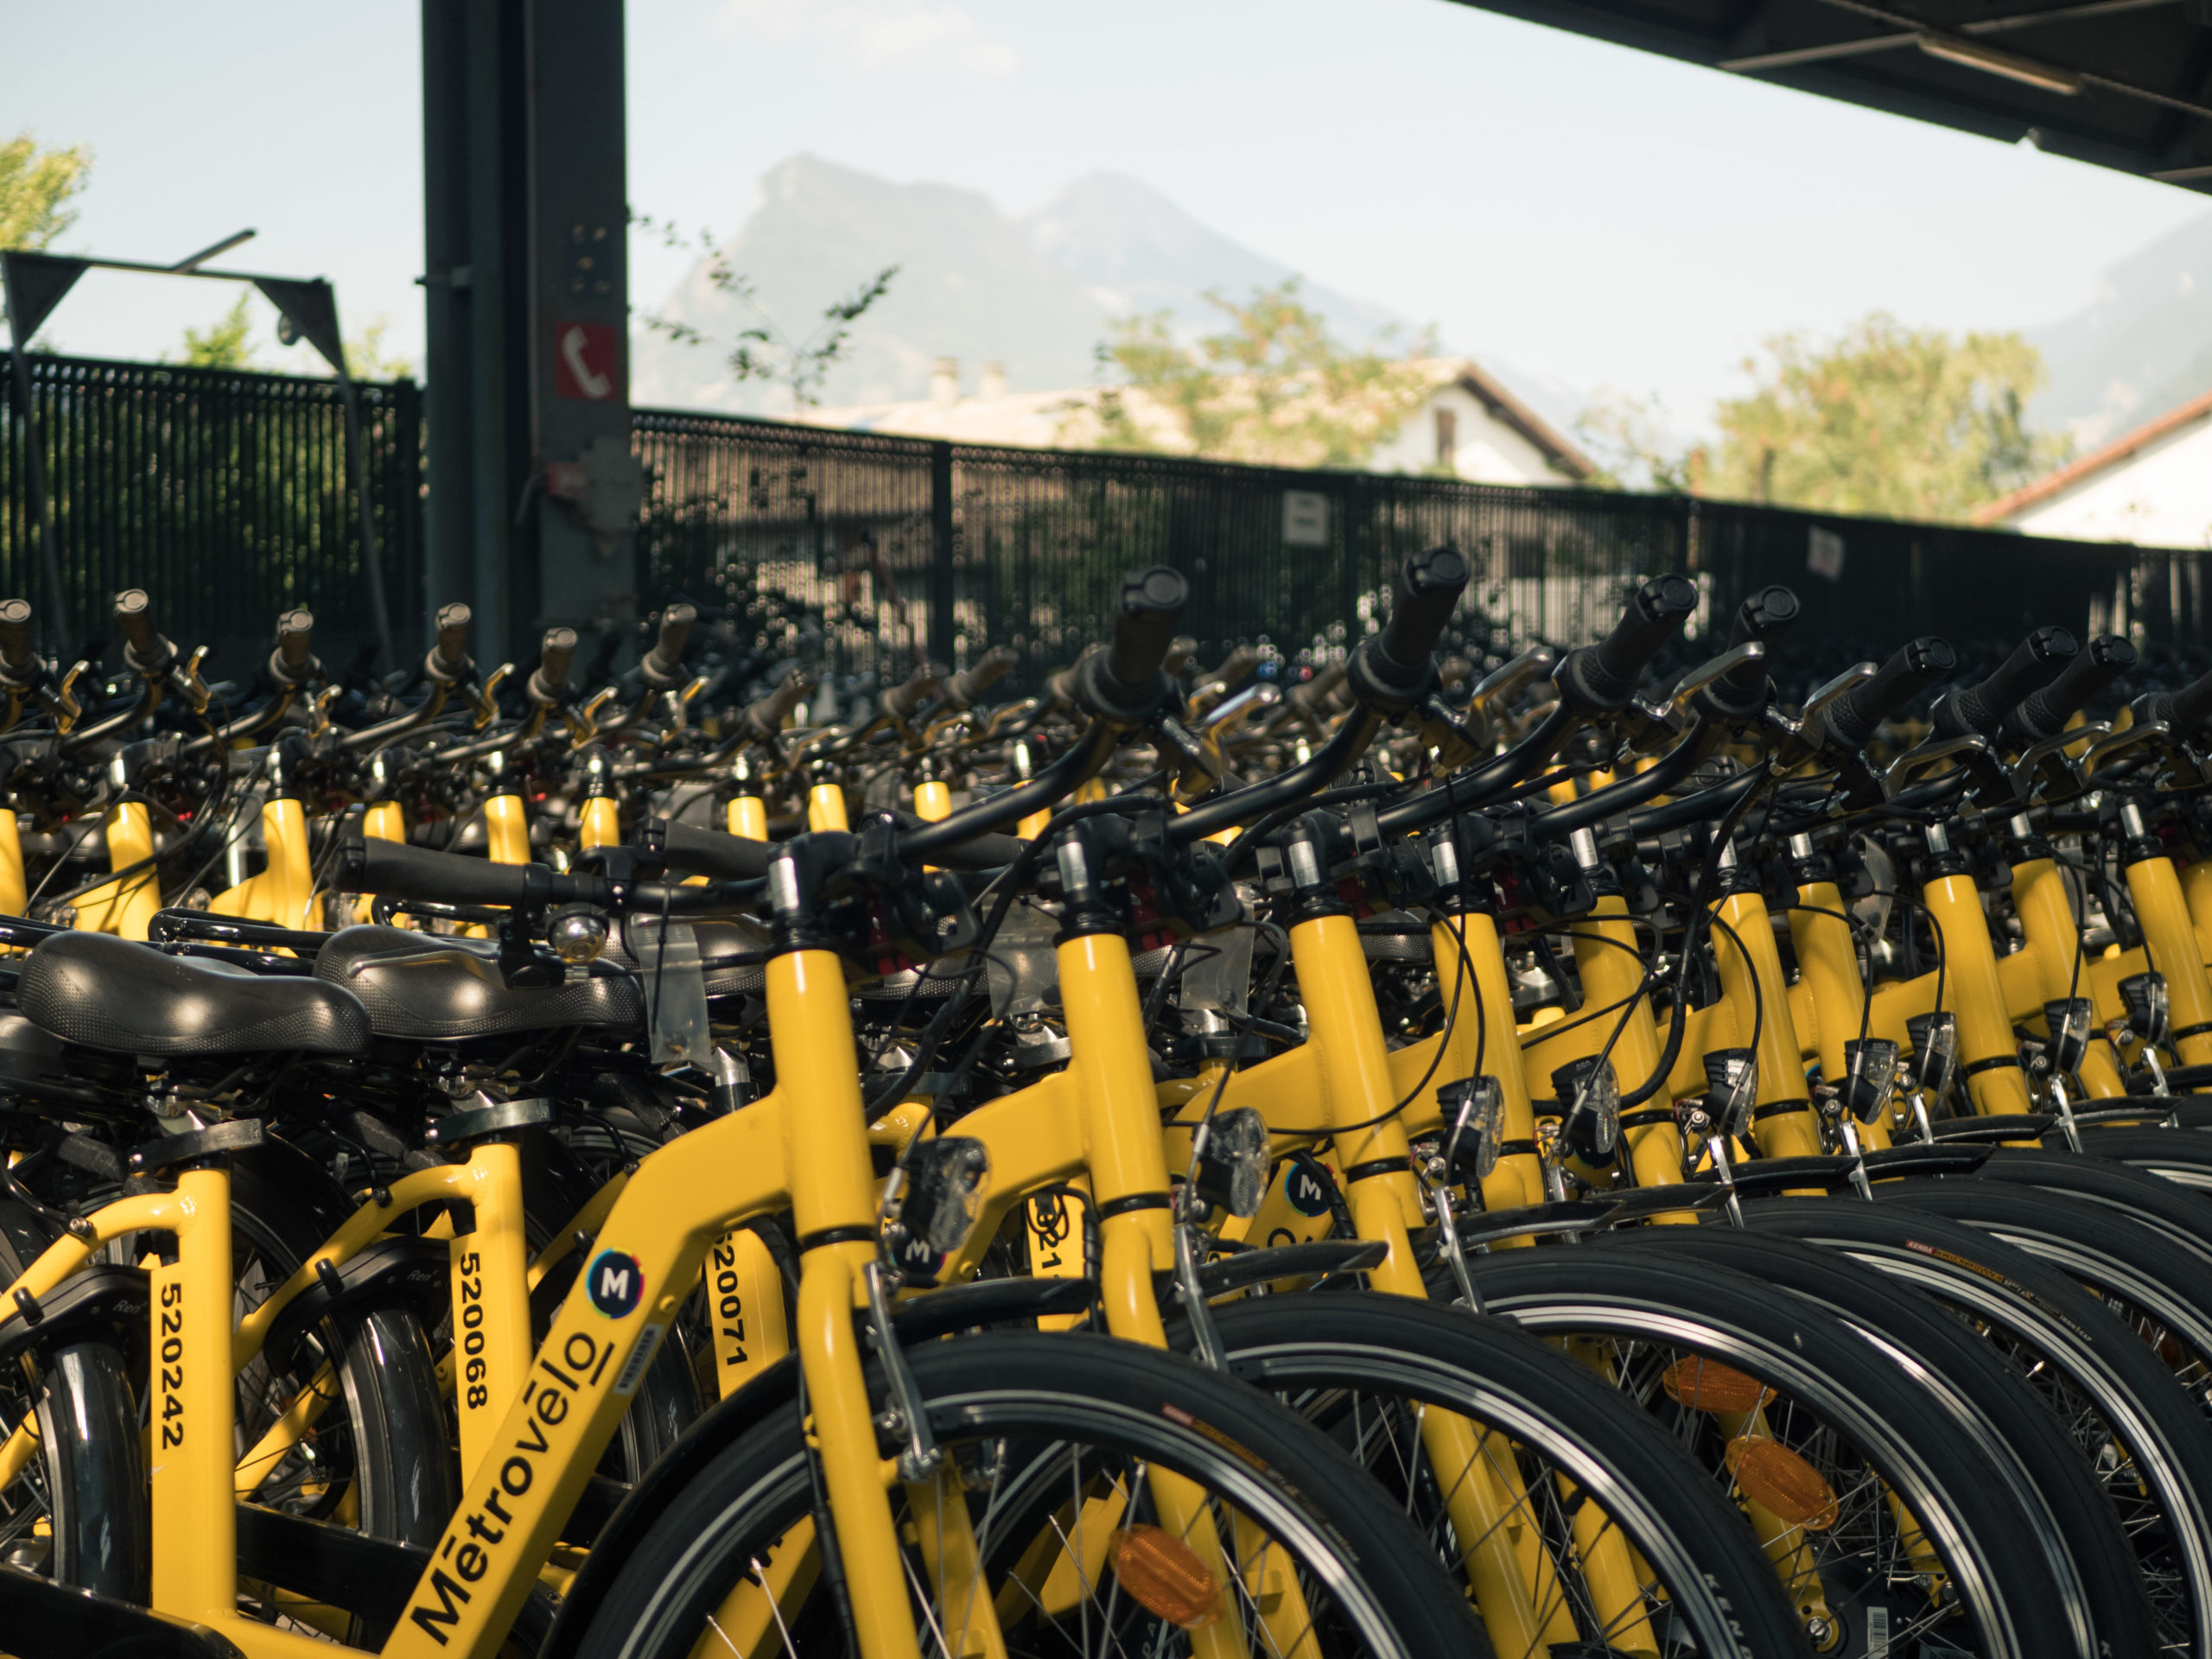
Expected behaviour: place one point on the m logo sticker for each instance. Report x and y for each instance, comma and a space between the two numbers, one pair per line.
614, 1282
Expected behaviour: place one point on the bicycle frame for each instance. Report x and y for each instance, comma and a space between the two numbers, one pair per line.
801, 1146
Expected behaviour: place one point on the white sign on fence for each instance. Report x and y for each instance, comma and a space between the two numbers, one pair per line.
1305, 518
1824, 553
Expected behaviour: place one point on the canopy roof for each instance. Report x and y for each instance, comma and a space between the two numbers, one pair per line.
2125, 84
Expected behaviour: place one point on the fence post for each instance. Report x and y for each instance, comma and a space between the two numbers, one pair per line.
942, 630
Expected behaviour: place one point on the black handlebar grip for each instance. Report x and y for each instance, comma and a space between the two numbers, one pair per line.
134, 614
1659, 607
709, 852
1144, 624
1765, 616
146, 650
1601, 678
765, 716
2044, 714
1429, 590
550, 680
2184, 710
1124, 683
900, 701
1977, 710
295, 639
1914, 666
1388, 670
965, 688
663, 667
292, 664
393, 868
448, 660
17, 657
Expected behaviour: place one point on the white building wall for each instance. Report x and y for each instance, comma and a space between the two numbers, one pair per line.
1489, 451
2161, 495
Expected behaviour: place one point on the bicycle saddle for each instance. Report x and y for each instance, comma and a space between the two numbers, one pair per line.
433, 990
98, 991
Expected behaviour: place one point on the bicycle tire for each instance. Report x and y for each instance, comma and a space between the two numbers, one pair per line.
2163, 1291
1980, 1393
1126, 1400
2012, 1581
91, 1478
396, 1423
1312, 1349
2142, 1436
2110, 1176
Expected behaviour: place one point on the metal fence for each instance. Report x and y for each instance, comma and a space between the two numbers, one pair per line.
896, 546
223, 493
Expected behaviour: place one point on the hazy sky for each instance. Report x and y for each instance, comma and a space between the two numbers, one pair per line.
1584, 211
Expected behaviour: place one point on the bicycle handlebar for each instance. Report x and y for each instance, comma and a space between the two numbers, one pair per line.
2184, 710
1601, 678
148, 653
1765, 616
763, 716
1144, 625
663, 667
1428, 593
292, 664
1124, 683
19, 662
448, 659
549, 682
900, 701
1977, 710
2044, 713
393, 867
1914, 666
964, 689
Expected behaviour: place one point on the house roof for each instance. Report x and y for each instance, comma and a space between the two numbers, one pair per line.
1506, 407
2112, 454
1048, 420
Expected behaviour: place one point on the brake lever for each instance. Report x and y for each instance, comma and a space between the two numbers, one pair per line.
1510, 680
2043, 769
487, 707
1989, 778
185, 680
1751, 651
1813, 718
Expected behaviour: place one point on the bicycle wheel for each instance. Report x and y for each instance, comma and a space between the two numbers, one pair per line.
1979, 1392
1576, 1460
379, 1452
2139, 1435
1936, 1541
2162, 1293
2167, 1189
84, 1483
1055, 1439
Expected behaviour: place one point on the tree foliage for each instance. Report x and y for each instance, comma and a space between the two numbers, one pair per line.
1883, 419
766, 351
1274, 387
225, 344
35, 190
1905, 422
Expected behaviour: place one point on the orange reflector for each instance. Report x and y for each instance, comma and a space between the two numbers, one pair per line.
1774, 1476
1707, 1385
1164, 1575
